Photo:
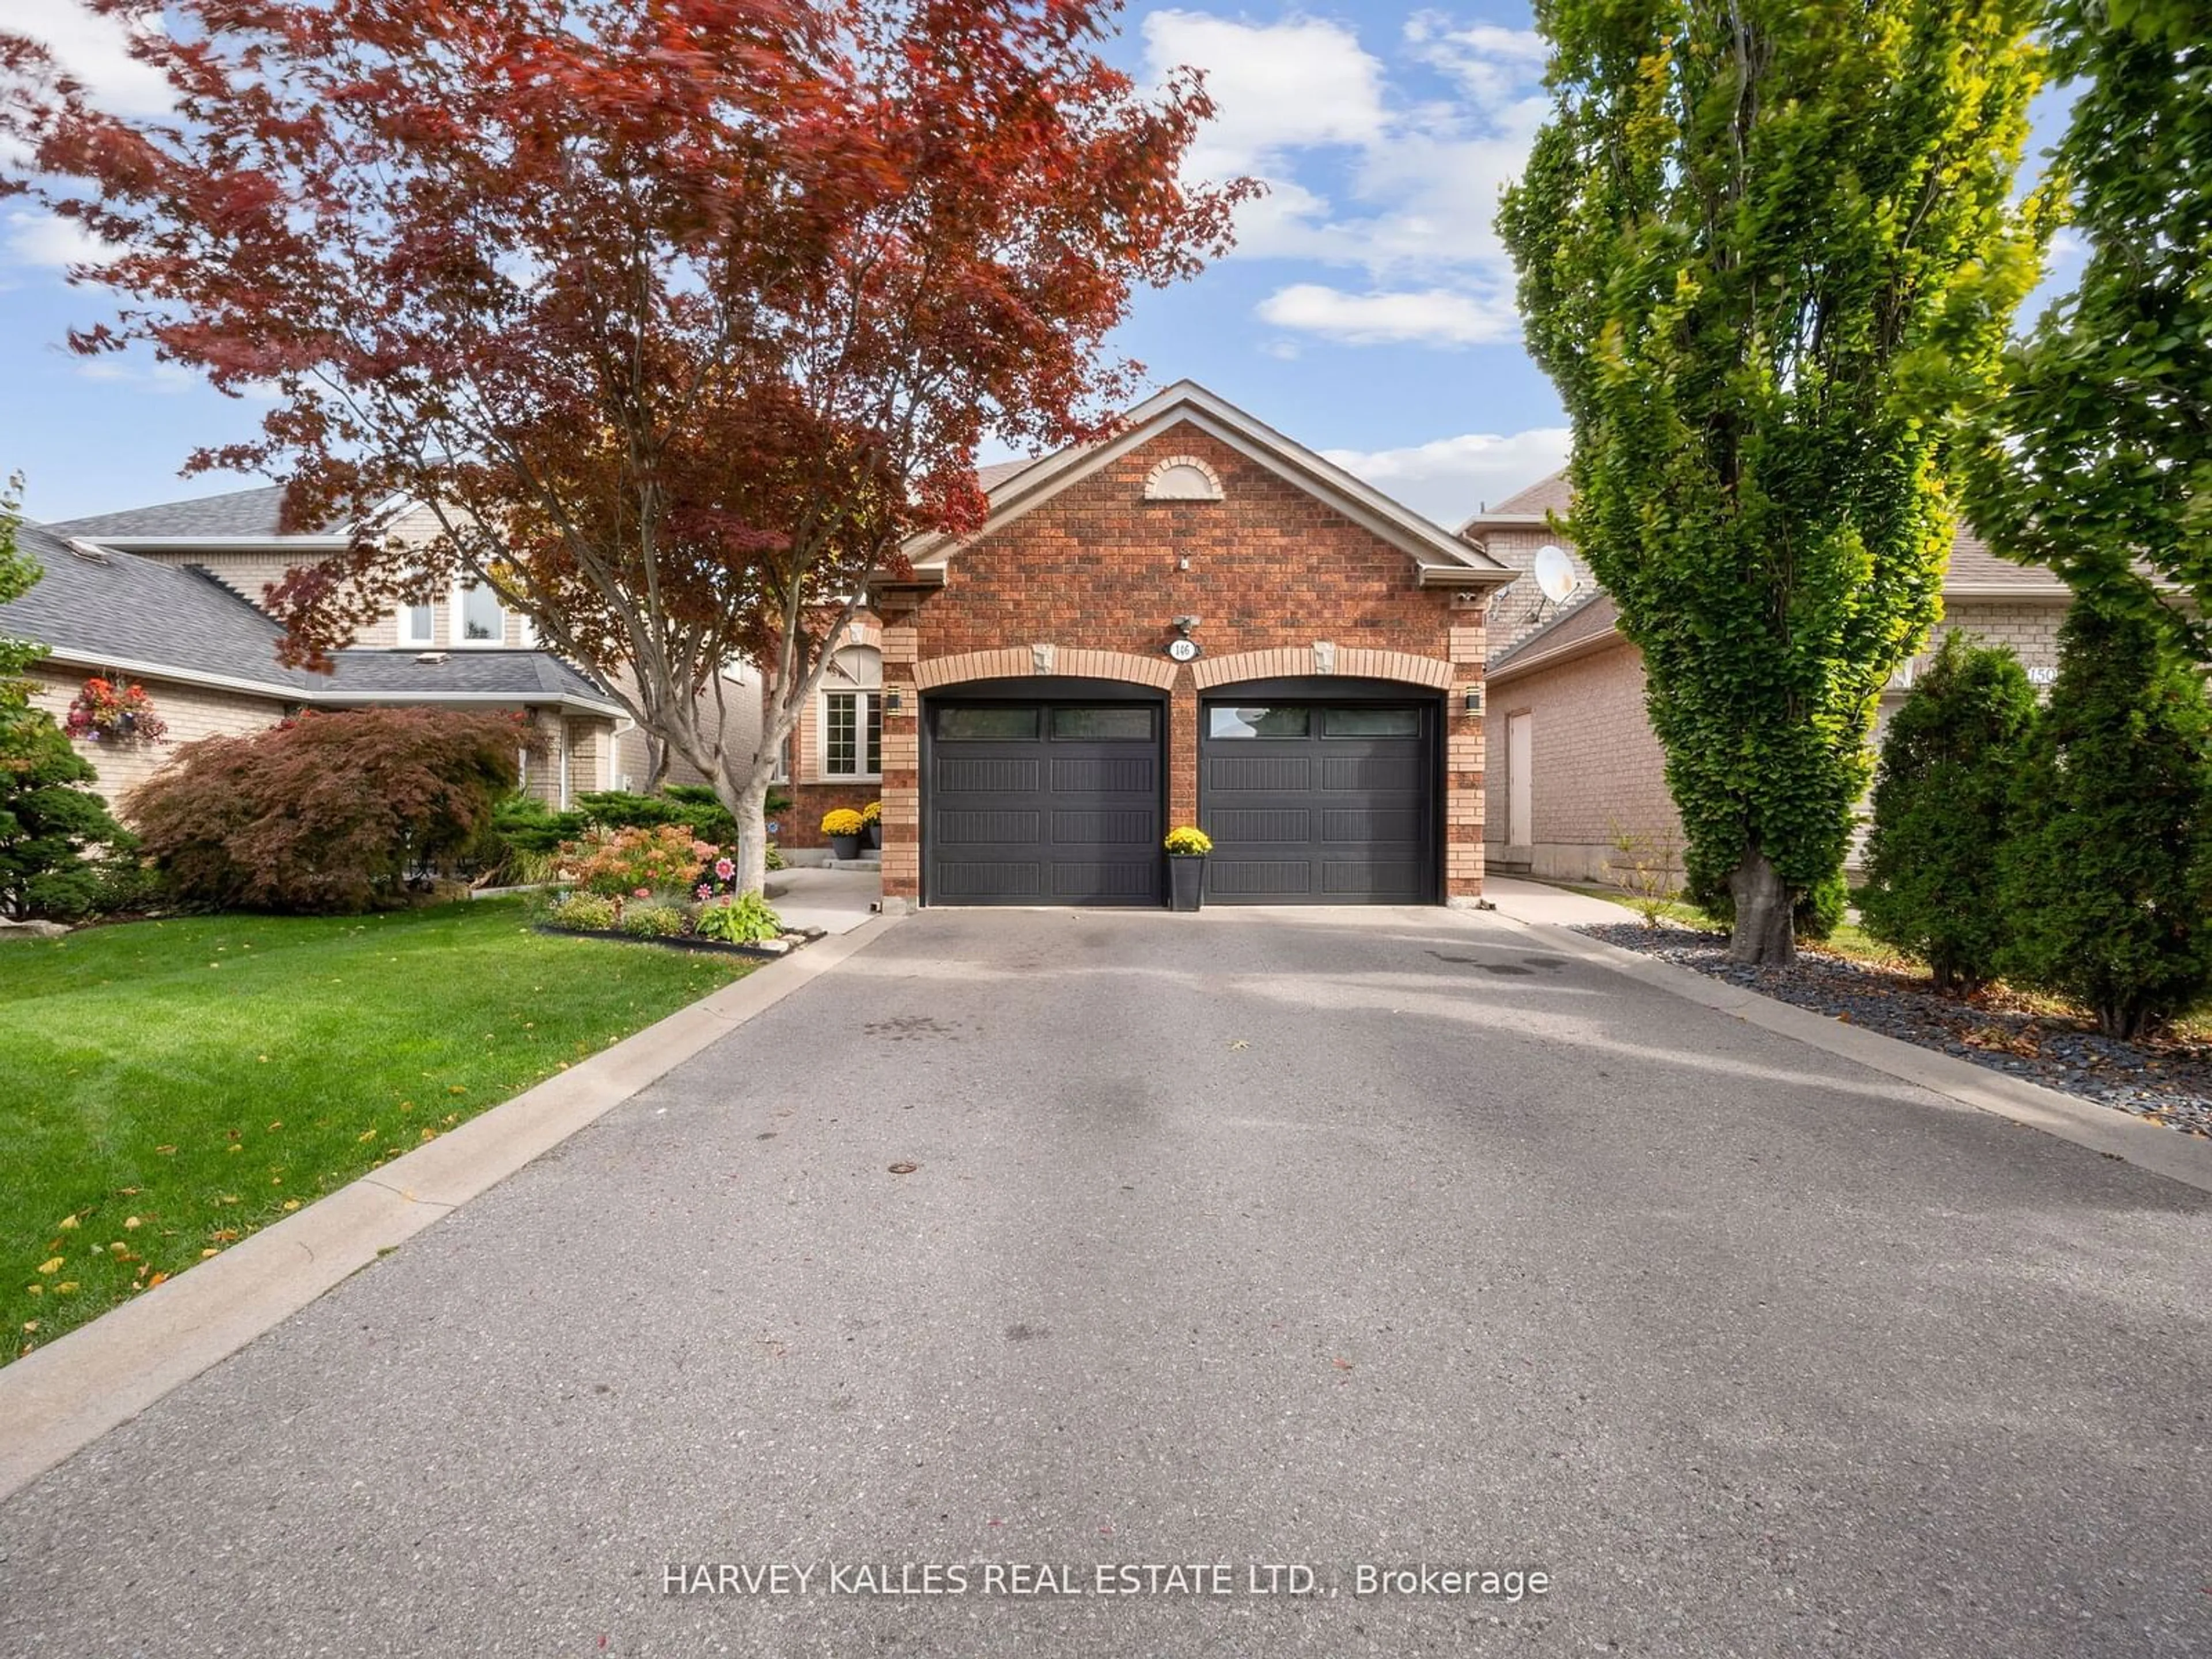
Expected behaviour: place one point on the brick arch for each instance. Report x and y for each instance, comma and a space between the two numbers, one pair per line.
1353, 662
1021, 661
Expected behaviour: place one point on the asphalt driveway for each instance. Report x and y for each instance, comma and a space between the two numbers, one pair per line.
1326, 1243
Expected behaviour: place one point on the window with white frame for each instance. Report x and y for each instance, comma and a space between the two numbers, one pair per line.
850, 742
479, 618
853, 734
418, 624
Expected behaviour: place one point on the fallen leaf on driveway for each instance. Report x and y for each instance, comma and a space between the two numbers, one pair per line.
904, 1168
1239, 1042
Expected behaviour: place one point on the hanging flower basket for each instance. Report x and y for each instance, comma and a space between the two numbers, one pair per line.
108, 711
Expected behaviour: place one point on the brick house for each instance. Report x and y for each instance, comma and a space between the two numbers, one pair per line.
1197, 621
165, 597
1577, 764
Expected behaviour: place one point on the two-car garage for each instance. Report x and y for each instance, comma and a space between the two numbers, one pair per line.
1313, 795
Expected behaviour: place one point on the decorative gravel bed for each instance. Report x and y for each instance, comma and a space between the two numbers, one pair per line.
2165, 1079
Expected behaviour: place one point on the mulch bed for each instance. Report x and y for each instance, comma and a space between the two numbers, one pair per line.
2166, 1079
710, 947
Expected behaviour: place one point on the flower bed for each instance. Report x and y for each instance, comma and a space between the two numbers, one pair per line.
656, 884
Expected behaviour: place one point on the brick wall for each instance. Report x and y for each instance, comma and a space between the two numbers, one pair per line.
191, 712
1596, 769
1098, 573
2028, 626
1597, 765
1519, 608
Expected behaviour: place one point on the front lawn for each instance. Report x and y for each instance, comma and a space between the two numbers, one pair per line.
168, 1087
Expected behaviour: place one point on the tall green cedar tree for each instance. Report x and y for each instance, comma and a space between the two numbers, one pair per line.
1765, 249
49, 815
2107, 876
2098, 460
18, 571
1942, 806
51, 821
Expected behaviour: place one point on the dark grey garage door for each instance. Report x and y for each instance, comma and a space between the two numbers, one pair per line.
1310, 804
1043, 804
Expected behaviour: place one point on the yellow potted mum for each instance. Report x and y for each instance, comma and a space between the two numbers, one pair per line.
844, 828
1188, 845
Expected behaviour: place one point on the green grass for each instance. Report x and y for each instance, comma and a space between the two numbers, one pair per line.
168, 1087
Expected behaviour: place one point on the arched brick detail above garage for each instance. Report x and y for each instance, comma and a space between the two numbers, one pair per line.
1291, 661
1021, 661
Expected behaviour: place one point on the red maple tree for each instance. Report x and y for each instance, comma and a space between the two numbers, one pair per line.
680, 316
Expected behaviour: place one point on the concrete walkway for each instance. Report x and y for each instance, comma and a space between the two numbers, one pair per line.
836, 901
1540, 902
1327, 1240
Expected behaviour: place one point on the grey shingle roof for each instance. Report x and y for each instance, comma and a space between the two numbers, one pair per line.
242, 513
1590, 618
1549, 495
530, 674
134, 610
119, 608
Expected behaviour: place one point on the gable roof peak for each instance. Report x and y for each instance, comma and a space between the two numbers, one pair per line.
1441, 558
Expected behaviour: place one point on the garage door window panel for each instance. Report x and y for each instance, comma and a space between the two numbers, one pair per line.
986, 724
1110, 724
1370, 722
1258, 722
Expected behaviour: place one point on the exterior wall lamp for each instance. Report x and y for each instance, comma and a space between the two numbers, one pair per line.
1474, 700
894, 701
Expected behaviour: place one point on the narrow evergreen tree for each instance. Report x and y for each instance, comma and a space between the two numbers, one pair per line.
50, 818
2107, 878
1942, 802
1766, 249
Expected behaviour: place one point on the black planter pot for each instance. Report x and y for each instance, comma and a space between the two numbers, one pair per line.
844, 846
1185, 882
873, 835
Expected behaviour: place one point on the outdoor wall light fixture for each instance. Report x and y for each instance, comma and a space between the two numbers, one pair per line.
1184, 624
1474, 700
894, 701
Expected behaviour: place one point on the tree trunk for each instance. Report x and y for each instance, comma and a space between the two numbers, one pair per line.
657, 758
1765, 932
751, 855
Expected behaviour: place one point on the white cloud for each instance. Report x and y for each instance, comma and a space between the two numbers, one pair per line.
166, 378
1449, 478
97, 52
45, 239
1362, 171
1277, 87
1433, 316
1490, 64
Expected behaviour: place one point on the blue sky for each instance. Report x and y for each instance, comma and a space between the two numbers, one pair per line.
1367, 311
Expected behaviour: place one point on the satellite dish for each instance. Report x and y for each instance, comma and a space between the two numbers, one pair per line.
1555, 572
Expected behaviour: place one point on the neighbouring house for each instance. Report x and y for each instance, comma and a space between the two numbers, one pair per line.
1576, 764
1197, 621
163, 598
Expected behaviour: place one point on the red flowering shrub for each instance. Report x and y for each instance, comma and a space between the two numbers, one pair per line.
328, 813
